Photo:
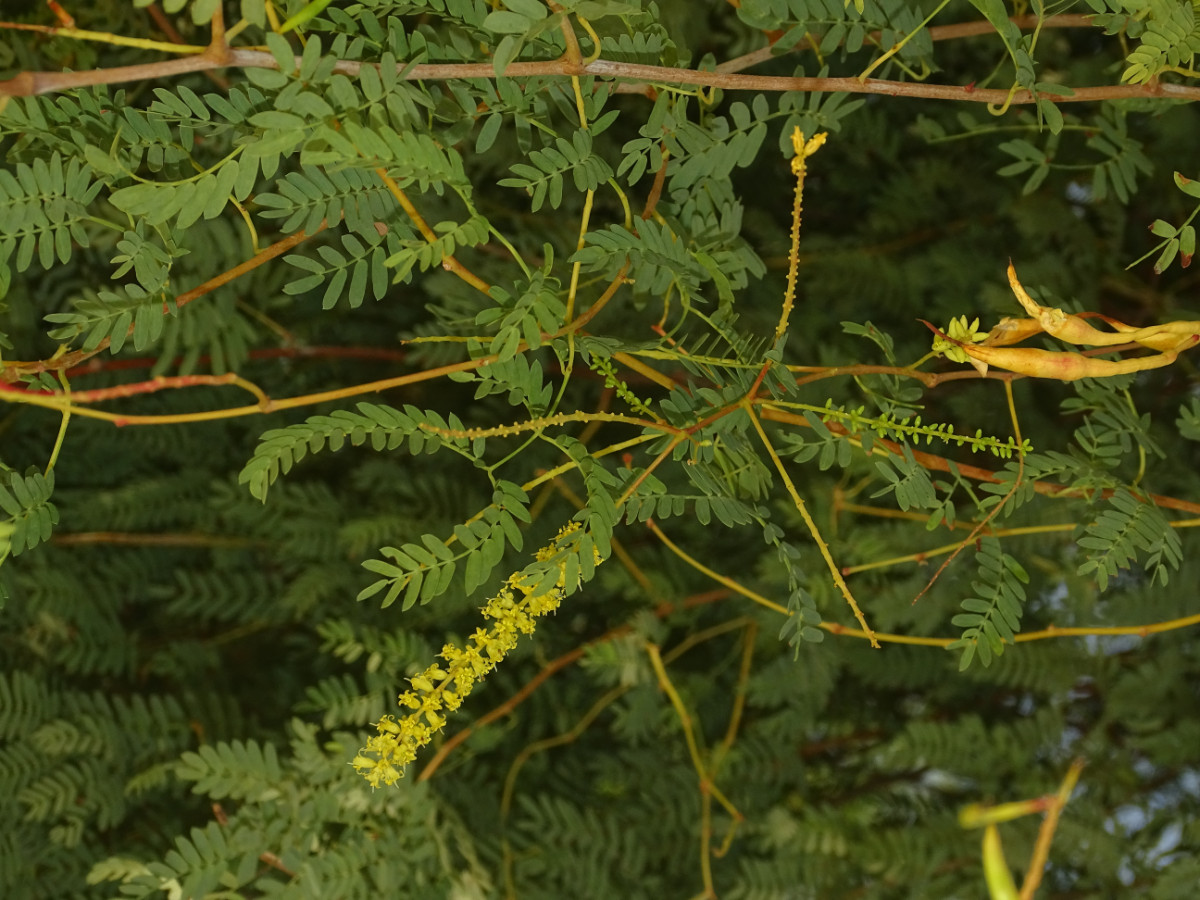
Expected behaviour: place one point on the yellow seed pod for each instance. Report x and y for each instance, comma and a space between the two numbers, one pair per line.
996, 874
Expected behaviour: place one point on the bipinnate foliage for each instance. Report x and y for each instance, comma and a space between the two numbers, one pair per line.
479, 449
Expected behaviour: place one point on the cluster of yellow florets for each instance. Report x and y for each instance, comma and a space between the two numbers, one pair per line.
443, 686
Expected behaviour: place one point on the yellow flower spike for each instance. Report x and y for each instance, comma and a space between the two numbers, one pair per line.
444, 687
996, 875
803, 150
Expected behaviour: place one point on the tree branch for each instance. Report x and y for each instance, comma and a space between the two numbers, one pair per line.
639, 77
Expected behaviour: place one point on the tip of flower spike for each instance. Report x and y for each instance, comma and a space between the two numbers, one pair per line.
803, 148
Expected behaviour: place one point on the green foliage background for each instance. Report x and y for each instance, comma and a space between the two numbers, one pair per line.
186, 673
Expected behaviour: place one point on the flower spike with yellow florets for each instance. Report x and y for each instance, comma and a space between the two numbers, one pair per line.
443, 686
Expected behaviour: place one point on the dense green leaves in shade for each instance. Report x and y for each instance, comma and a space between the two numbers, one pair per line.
659, 260
575, 382
426, 571
115, 317
31, 517
537, 309
311, 195
1129, 529
408, 157
1189, 420
239, 771
384, 428
450, 238
519, 378
545, 178
1171, 40
41, 211
362, 268
908, 481
185, 201
992, 618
